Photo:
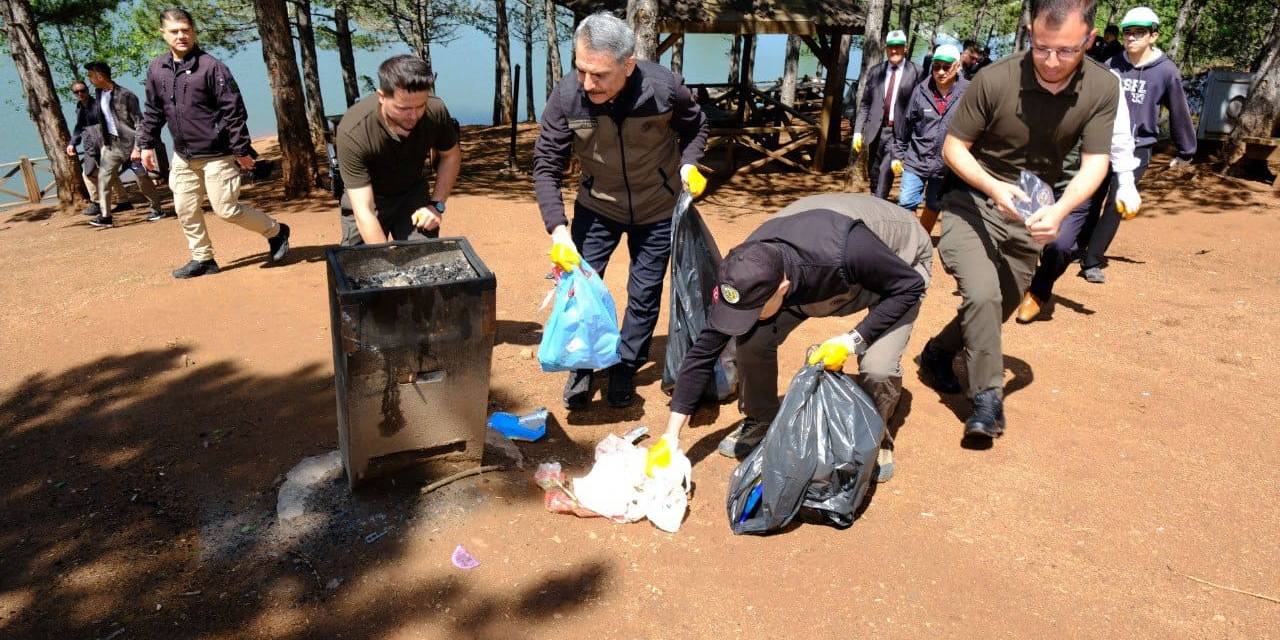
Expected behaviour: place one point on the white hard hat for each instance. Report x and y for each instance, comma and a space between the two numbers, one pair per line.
1140, 17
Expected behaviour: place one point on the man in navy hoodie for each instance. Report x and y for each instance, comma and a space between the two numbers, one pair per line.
1149, 79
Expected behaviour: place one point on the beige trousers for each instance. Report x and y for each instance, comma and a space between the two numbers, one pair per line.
219, 178
91, 183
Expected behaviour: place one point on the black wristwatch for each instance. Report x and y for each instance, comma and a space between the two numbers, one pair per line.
437, 205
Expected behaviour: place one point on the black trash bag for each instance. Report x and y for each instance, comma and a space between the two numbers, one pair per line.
695, 260
819, 454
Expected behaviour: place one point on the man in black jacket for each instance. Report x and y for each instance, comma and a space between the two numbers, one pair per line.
196, 95
121, 114
826, 255
626, 188
884, 102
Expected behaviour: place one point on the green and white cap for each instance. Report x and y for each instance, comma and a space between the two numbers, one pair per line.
895, 37
1140, 17
946, 53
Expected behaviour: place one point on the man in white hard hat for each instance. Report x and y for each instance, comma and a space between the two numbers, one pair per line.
1150, 80
884, 102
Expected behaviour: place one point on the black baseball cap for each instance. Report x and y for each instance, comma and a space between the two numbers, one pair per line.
747, 278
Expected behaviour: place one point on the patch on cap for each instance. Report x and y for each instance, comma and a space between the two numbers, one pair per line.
895, 37
730, 294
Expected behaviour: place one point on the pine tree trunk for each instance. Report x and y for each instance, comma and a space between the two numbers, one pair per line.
502, 66
1261, 113
43, 106
298, 155
677, 55
346, 54
530, 114
735, 59
554, 70
904, 22
1024, 26
1180, 29
311, 74
872, 44
642, 15
790, 66
977, 23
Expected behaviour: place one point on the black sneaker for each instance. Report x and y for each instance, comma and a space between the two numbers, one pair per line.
93, 210
196, 268
622, 386
278, 246
160, 214
102, 221
936, 370
122, 206
578, 388
742, 440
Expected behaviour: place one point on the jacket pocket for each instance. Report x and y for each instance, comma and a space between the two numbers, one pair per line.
665, 181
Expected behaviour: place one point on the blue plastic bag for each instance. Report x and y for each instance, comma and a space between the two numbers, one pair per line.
582, 332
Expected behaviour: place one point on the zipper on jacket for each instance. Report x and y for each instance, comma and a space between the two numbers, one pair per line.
626, 182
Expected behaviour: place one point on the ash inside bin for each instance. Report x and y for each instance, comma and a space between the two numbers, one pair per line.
444, 267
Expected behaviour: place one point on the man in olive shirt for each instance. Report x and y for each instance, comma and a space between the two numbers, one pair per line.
1025, 112
383, 142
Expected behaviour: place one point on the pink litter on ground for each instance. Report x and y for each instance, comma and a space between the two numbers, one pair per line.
464, 560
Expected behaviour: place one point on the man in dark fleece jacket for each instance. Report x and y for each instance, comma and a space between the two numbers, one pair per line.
918, 136
195, 94
637, 132
1150, 80
826, 255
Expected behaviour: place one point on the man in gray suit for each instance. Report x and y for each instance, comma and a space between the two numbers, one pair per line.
121, 114
889, 86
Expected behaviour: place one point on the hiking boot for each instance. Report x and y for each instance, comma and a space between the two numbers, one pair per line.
122, 206
102, 222
1094, 275
93, 210
196, 268
987, 420
622, 386
742, 440
578, 389
936, 370
278, 245
160, 214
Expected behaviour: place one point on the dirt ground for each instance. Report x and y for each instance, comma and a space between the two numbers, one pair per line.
146, 422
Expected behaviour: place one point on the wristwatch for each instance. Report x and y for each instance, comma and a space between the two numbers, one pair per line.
437, 205
859, 345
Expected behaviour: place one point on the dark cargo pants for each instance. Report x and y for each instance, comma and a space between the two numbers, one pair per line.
992, 259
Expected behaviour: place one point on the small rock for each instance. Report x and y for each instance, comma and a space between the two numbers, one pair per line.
333, 584
1218, 617
526, 353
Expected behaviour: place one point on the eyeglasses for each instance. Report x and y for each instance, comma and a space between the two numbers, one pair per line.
1063, 52
1136, 33
79, 91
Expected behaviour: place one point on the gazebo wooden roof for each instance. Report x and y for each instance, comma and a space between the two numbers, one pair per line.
826, 27
794, 17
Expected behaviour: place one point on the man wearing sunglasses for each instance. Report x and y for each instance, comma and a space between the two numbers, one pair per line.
918, 136
1024, 113
87, 133
1150, 80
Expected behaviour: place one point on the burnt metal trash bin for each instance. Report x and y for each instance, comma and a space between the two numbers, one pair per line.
413, 326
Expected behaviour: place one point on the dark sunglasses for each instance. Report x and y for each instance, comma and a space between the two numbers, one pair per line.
79, 91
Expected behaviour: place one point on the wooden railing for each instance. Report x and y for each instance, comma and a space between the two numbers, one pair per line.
25, 170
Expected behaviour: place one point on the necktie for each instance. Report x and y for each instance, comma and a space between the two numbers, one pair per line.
888, 95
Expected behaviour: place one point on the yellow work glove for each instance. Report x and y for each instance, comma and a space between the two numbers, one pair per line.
896, 165
832, 353
857, 143
563, 254
694, 182
1128, 201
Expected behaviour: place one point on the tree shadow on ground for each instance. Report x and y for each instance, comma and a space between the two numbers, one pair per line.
518, 332
139, 498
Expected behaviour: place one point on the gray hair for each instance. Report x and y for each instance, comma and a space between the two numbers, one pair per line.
605, 32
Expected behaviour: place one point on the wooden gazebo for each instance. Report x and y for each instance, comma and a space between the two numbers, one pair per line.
825, 26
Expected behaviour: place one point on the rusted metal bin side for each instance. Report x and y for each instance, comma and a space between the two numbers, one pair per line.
411, 355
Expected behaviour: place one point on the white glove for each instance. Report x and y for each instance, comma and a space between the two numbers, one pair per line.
857, 143
1128, 200
1177, 162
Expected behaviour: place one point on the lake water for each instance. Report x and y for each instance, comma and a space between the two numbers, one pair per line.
466, 80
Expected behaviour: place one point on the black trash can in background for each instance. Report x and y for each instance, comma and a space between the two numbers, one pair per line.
413, 327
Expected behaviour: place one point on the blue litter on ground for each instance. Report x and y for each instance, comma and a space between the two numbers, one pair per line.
530, 426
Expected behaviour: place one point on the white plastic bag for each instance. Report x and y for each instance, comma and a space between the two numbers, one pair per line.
617, 487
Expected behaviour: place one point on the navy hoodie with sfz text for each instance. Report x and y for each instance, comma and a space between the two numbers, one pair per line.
1147, 87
